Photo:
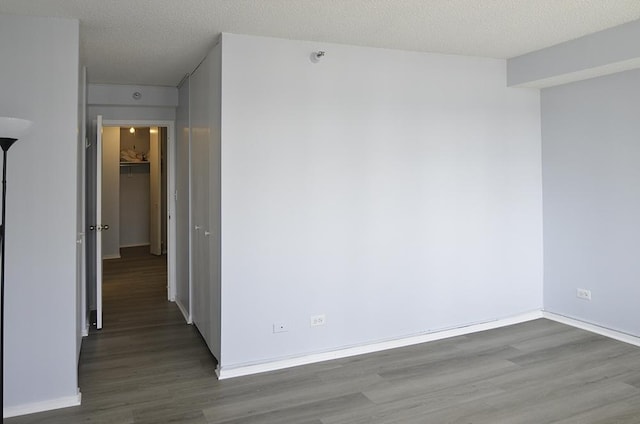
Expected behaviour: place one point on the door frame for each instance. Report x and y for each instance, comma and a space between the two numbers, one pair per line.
171, 191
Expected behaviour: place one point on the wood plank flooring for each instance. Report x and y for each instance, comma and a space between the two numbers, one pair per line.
148, 366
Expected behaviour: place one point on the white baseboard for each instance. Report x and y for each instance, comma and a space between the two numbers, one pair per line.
186, 315
47, 405
238, 371
107, 257
603, 331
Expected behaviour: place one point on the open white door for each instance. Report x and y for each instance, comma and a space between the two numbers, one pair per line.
98, 226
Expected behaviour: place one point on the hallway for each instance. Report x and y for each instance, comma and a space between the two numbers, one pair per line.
145, 352
145, 362
135, 292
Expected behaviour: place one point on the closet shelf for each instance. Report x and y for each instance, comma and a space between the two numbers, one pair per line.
127, 164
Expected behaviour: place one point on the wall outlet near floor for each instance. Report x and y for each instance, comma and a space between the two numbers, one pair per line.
583, 294
317, 320
280, 327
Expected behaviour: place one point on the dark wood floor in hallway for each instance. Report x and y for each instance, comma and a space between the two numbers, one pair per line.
148, 366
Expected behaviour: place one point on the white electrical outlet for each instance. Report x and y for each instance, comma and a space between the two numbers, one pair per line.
280, 327
317, 320
583, 294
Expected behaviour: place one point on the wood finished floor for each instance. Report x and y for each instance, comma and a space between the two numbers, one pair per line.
148, 366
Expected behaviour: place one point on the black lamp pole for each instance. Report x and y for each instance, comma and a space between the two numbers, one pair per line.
5, 143
10, 130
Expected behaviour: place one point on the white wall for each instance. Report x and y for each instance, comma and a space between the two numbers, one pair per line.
591, 179
605, 52
396, 192
40, 82
128, 113
183, 228
215, 206
134, 205
116, 102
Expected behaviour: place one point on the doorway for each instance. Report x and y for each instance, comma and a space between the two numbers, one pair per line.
131, 204
134, 191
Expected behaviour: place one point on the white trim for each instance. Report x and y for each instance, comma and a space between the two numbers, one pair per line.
114, 256
607, 332
190, 202
47, 405
224, 373
186, 315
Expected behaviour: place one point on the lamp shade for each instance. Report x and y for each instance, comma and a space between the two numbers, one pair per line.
13, 127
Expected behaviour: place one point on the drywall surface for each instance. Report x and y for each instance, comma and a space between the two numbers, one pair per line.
215, 206
591, 180
40, 83
132, 95
129, 113
183, 228
604, 52
397, 193
134, 206
117, 102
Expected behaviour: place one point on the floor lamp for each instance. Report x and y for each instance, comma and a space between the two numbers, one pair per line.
10, 130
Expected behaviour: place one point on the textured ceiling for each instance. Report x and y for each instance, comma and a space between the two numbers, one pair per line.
156, 42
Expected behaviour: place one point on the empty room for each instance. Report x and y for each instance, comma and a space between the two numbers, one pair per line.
359, 211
